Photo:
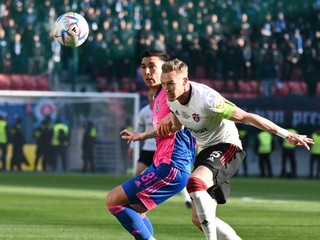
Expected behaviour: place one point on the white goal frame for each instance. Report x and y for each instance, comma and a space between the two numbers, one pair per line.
9, 97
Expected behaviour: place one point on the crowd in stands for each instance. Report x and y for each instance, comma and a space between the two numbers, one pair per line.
269, 41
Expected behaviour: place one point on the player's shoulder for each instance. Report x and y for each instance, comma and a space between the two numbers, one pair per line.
145, 110
203, 92
200, 88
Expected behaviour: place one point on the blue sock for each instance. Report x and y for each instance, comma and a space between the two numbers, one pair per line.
148, 224
132, 221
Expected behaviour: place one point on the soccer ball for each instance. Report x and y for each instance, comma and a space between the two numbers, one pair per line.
71, 29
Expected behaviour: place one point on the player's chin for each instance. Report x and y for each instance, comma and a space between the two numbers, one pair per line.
170, 98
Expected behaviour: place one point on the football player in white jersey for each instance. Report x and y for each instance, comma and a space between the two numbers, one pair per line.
224, 231
144, 123
210, 118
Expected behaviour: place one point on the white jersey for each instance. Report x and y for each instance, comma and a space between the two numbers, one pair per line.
144, 123
206, 116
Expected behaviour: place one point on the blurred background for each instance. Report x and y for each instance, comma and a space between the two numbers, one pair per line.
262, 55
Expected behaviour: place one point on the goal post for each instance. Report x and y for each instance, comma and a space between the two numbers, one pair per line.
109, 113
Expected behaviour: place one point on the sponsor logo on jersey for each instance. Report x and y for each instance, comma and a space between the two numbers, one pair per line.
137, 183
198, 130
177, 113
219, 102
185, 115
196, 117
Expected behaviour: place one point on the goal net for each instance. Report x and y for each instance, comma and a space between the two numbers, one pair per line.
108, 112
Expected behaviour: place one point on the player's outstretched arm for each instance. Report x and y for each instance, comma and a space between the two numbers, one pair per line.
168, 125
133, 136
262, 123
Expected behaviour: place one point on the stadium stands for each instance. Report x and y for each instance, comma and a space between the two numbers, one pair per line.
239, 51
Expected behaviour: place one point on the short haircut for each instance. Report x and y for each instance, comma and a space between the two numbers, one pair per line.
175, 65
155, 53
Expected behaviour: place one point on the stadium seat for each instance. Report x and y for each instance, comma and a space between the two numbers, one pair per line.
30, 82
296, 74
231, 86
200, 72
217, 85
127, 85
297, 87
101, 83
16, 81
254, 86
245, 87
42, 83
208, 82
283, 90
5, 82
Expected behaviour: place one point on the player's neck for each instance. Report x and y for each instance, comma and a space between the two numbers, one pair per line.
185, 97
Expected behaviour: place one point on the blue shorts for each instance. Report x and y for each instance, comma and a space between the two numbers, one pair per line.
155, 185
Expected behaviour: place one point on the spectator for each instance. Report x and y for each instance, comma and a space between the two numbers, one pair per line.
288, 153
315, 154
268, 70
244, 137
18, 140
88, 141
131, 25
42, 136
264, 146
60, 142
3, 142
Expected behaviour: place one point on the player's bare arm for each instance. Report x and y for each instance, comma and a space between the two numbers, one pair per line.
133, 136
262, 123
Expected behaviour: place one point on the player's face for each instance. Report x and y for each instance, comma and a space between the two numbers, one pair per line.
151, 71
173, 84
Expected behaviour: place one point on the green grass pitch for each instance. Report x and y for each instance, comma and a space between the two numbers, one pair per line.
49, 206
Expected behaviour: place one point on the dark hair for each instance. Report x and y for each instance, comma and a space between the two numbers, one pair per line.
155, 53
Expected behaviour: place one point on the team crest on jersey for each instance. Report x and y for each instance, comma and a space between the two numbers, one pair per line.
196, 117
219, 102
177, 113
157, 107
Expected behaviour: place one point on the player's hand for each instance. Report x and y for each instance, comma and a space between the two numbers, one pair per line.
165, 126
299, 140
130, 136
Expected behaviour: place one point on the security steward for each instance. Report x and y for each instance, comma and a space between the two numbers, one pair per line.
264, 147
60, 143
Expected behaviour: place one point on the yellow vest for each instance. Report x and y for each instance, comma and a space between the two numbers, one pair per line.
3, 132
93, 132
265, 139
242, 133
315, 148
55, 137
285, 144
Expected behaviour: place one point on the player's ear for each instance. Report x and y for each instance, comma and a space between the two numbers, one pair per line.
185, 80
